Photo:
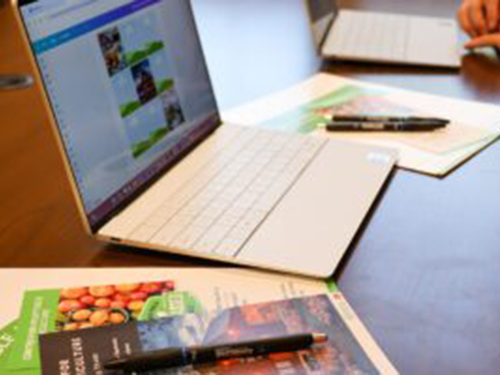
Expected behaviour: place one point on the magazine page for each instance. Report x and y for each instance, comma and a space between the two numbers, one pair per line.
125, 298
349, 349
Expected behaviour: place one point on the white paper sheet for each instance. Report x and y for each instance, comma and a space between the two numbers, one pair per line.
473, 125
214, 288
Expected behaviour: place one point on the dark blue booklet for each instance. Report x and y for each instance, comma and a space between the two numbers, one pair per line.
349, 350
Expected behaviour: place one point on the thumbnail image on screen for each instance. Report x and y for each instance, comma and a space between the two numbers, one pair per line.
143, 84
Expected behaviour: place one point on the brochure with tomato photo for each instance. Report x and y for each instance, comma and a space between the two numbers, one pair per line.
350, 348
79, 308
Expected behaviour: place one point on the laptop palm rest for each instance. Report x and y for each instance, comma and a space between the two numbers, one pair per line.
433, 41
321, 213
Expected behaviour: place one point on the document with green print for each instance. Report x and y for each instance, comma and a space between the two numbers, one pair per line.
308, 106
6, 341
197, 291
7, 338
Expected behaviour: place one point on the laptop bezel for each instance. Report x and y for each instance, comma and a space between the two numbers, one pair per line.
328, 28
93, 229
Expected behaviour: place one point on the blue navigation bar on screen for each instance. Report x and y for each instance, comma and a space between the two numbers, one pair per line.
61, 37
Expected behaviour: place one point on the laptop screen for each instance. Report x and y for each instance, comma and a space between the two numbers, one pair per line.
322, 13
129, 88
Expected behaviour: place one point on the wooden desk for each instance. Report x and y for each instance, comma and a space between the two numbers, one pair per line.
423, 274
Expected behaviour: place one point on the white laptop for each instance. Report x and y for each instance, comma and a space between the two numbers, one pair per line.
151, 164
384, 37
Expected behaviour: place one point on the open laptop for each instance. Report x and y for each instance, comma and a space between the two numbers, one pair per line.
384, 37
152, 165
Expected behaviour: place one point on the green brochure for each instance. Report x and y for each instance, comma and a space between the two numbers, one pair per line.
7, 338
6, 341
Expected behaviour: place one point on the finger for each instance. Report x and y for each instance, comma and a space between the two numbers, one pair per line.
463, 19
478, 20
492, 14
489, 40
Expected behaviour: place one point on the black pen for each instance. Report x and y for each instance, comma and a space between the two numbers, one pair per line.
383, 126
353, 118
176, 357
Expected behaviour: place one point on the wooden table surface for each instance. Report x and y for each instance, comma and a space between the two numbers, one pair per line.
424, 274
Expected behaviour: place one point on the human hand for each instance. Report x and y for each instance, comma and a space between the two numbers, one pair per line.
479, 17
488, 40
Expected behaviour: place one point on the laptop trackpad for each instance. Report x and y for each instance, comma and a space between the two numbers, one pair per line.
313, 225
433, 40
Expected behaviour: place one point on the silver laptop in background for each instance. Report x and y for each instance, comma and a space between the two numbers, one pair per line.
151, 164
384, 37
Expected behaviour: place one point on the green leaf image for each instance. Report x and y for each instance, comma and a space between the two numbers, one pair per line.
136, 56
164, 85
140, 148
154, 46
129, 108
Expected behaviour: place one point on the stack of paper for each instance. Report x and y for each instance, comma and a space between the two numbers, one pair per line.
64, 302
304, 108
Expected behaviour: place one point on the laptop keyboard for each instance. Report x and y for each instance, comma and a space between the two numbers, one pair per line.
370, 35
219, 208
